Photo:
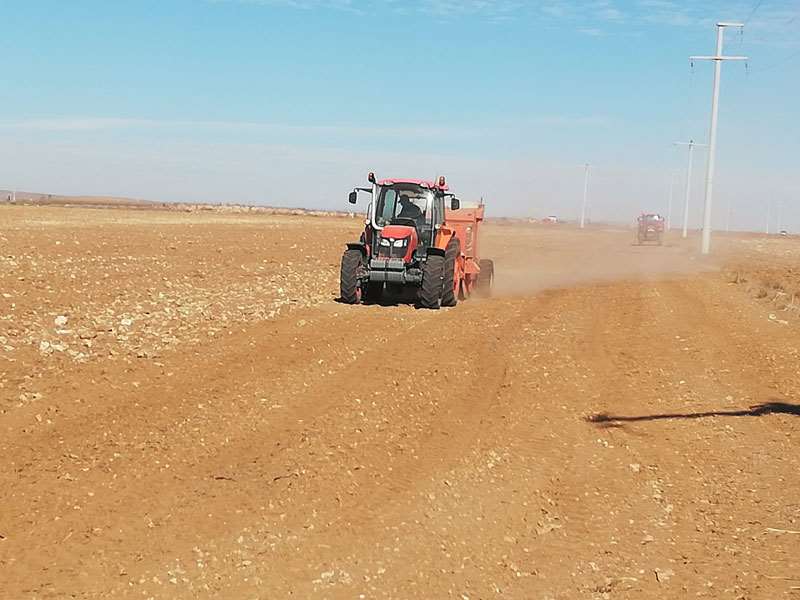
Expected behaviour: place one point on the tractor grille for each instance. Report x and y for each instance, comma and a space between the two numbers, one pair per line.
390, 250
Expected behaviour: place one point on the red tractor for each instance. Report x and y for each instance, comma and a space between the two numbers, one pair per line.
650, 228
419, 244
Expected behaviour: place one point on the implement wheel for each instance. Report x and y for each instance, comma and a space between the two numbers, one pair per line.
483, 287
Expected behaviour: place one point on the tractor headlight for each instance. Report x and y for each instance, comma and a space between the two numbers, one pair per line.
400, 243
385, 242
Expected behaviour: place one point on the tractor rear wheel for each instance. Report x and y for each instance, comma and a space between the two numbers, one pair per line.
349, 281
485, 278
430, 293
449, 292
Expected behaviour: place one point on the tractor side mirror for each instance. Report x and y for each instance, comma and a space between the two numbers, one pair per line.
353, 197
455, 204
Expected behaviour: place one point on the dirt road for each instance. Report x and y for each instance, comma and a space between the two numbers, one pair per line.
618, 422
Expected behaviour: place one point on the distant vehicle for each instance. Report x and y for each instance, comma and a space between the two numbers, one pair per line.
650, 228
550, 219
783, 232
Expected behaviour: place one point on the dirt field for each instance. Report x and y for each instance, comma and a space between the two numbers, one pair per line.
186, 412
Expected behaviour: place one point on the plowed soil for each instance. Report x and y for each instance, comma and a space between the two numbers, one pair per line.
187, 412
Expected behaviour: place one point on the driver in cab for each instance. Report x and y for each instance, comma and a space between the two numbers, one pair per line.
409, 210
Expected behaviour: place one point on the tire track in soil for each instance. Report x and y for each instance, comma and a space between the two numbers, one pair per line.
554, 543
612, 490
455, 537
525, 515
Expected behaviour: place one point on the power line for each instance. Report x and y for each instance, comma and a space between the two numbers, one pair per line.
782, 61
755, 8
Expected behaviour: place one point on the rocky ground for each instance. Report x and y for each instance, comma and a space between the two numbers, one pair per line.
186, 412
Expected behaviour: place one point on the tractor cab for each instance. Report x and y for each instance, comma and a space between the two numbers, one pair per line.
404, 216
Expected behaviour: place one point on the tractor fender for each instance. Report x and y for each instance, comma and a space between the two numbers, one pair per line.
444, 236
358, 246
435, 251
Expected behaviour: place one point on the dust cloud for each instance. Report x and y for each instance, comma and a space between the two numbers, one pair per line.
532, 258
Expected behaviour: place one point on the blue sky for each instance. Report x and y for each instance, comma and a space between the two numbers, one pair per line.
291, 102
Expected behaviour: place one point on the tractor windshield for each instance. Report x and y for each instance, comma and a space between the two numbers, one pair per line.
401, 203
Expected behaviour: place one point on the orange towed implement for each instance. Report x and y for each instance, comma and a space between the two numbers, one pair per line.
471, 273
418, 244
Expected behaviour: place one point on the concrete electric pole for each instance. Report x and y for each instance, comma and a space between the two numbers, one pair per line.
669, 202
729, 215
585, 196
712, 137
691, 144
769, 209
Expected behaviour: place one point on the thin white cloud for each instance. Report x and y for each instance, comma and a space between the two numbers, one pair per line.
772, 23
492, 9
75, 124
81, 124
89, 124
592, 31
344, 5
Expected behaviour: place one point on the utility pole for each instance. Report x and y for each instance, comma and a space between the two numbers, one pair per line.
769, 209
780, 217
728, 218
585, 196
691, 144
712, 137
671, 195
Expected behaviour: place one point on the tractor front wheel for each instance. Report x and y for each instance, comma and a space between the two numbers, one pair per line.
449, 291
350, 281
430, 293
